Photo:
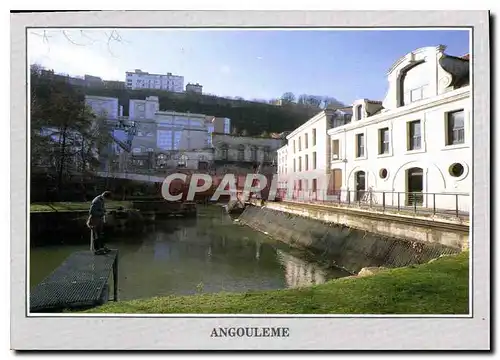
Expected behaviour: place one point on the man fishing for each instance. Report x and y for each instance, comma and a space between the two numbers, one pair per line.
95, 223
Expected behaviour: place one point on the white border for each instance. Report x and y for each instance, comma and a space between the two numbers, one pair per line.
176, 333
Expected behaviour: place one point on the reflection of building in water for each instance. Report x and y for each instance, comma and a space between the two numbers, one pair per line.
298, 272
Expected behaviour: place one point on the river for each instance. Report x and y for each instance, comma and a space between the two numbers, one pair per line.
209, 253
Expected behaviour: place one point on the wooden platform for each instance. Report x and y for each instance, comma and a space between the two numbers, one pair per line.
80, 281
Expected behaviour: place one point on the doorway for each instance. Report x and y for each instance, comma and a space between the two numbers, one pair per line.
415, 186
360, 185
335, 182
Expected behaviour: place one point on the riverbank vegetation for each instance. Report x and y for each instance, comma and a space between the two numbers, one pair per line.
438, 287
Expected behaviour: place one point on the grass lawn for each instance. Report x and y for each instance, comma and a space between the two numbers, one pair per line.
74, 206
439, 287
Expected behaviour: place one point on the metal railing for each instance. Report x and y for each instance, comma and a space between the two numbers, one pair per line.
447, 204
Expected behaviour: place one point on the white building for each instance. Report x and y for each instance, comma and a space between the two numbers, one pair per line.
143, 80
308, 155
412, 148
143, 109
197, 88
414, 144
282, 166
103, 106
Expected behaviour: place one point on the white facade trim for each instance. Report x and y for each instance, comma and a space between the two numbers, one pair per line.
425, 104
307, 124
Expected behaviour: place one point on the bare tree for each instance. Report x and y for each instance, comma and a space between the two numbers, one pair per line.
81, 37
288, 97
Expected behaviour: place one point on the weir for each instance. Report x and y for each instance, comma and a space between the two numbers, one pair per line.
351, 249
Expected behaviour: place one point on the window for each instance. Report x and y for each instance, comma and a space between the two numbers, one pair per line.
414, 84
267, 154
335, 150
456, 170
314, 137
241, 153
300, 144
300, 164
294, 167
383, 141
416, 94
358, 112
314, 160
383, 173
306, 141
177, 139
294, 146
306, 161
254, 154
360, 145
314, 185
455, 128
337, 120
164, 139
414, 135
224, 152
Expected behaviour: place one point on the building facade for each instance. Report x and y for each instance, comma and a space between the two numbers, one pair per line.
308, 155
114, 84
196, 88
411, 149
414, 148
244, 154
104, 106
143, 80
152, 139
221, 125
282, 166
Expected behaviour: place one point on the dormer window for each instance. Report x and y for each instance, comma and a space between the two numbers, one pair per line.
359, 108
414, 84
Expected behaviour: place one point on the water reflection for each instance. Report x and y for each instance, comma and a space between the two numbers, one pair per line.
207, 254
299, 272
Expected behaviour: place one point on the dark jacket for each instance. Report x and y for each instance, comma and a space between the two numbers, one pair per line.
97, 208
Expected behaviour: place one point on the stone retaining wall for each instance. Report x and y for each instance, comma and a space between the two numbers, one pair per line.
350, 248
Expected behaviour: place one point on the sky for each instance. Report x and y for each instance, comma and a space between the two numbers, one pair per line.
253, 64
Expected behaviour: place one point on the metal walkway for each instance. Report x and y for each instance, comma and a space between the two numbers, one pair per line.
80, 281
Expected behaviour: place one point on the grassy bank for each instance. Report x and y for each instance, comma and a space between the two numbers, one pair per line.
439, 287
74, 206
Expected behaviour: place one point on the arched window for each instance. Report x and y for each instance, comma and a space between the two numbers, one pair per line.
224, 152
241, 152
253, 153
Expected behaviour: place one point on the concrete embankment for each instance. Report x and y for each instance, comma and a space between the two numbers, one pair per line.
350, 248
444, 230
